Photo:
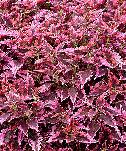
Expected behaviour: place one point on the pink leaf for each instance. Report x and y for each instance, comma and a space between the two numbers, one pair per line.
73, 94
104, 62
4, 117
84, 76
20, 137
33, 124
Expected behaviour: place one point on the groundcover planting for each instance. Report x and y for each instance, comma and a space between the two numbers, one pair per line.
63, 75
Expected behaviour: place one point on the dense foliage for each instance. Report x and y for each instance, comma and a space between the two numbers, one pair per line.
63, 75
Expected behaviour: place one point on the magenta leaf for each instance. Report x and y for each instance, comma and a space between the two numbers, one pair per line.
62, 75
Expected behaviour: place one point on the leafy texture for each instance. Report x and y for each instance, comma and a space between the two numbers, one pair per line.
62, 75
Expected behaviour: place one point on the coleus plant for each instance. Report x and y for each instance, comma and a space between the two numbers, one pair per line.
63, 75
